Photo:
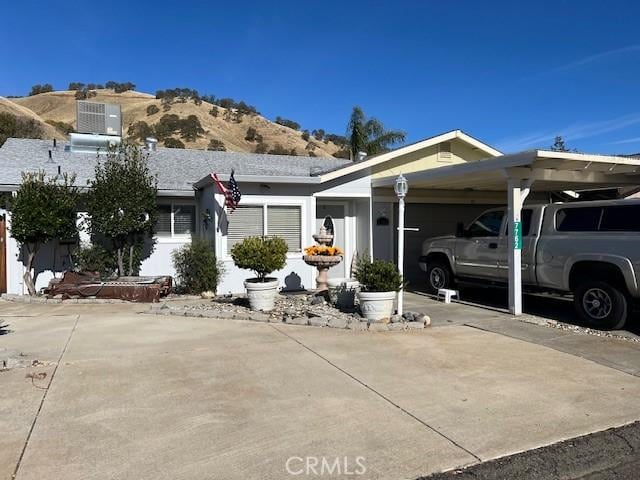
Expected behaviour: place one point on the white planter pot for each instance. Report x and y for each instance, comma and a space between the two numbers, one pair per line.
261, 295
376, 306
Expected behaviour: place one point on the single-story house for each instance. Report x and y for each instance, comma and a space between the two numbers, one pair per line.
452, 177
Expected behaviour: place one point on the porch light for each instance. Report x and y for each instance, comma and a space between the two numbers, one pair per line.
401, 187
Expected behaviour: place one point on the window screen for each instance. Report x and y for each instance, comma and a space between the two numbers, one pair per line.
285, 222
245, 221
621, 218
184, 219
585, 219
163, 225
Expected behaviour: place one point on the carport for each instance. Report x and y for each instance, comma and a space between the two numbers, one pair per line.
516, 175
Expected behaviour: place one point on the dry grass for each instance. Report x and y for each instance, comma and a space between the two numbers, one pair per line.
61, 106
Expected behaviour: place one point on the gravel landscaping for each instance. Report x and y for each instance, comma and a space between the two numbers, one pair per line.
294, 309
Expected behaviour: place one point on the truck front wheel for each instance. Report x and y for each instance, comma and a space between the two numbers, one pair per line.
439, 276
601, 305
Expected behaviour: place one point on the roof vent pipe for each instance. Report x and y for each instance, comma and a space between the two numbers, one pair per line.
151, 143
361, 156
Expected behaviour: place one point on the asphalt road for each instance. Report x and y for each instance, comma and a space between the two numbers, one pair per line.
611, 454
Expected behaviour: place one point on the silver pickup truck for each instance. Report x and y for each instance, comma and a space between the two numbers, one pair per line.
589, 249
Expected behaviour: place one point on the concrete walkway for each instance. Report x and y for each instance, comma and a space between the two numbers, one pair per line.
159, 397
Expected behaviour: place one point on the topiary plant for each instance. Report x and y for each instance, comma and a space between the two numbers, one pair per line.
263, 255
196, 267
378, 275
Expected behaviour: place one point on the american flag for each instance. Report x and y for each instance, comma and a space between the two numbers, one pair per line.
232, 194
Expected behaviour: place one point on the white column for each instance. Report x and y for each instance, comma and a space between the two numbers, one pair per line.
400, 250
515, 269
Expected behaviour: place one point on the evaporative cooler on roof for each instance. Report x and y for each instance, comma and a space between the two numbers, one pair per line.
99, 118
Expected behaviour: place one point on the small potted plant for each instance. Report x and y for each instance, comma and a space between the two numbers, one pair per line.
379, 282
263, 256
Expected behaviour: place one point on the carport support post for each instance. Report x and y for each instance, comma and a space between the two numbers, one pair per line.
517, 191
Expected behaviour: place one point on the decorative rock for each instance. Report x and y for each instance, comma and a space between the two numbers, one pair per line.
297, 321
414, 325
396, 318
318, 321
357, 325
317, 300
208, 294
336, 322
396, 327
378, 327
259, 317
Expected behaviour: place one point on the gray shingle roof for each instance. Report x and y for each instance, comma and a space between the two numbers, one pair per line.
176, 169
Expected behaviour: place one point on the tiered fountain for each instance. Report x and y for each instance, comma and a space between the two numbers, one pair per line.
323, 262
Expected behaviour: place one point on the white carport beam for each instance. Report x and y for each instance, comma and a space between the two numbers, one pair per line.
517, 191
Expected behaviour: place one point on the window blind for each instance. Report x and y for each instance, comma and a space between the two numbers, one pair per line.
163, 225
285, 222
184, 219
245, 221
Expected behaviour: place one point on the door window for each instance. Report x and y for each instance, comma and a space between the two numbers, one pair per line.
486, 225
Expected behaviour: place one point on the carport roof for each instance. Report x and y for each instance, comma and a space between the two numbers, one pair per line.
549, 171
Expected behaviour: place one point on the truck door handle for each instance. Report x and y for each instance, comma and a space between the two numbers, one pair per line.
493, 245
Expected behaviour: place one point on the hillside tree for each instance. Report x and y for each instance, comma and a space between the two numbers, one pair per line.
559, 145
43, 210
121, 202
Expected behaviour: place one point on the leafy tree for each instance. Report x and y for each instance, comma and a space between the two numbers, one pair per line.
167, 126
120, 87
12, 126
287, 123
305, 135
140, 130
369, 135
152, 109
37, 89
196, 267
251, 135
62, 127
279, 150
339, 140
121, 202
191, 128
216, 146
261, 148
84, 93
43, 210
75, 86
95, 258
173, 143
343, 153
558, 145
318, 134
214, 111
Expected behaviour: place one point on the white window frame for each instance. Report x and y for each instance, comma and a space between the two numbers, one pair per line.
226, 254
173, 237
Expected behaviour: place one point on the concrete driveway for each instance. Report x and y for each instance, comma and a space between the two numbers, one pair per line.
158, 397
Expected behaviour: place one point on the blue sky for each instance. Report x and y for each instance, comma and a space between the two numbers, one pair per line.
513, 74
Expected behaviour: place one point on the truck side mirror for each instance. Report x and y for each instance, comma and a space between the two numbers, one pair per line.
459, 230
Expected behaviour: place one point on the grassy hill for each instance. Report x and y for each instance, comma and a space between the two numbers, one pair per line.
226, 126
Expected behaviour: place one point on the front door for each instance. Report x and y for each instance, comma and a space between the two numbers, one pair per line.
3, 254
477, 253
331, 215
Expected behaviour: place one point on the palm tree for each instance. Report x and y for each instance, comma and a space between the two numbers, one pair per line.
369, 135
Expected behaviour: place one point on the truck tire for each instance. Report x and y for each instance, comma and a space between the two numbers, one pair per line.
439, 275
601, 305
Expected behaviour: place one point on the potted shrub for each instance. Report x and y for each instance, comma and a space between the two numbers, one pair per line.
379, 282
263, 256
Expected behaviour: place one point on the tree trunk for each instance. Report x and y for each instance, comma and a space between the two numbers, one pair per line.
120, 262
130, 260
28, 276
